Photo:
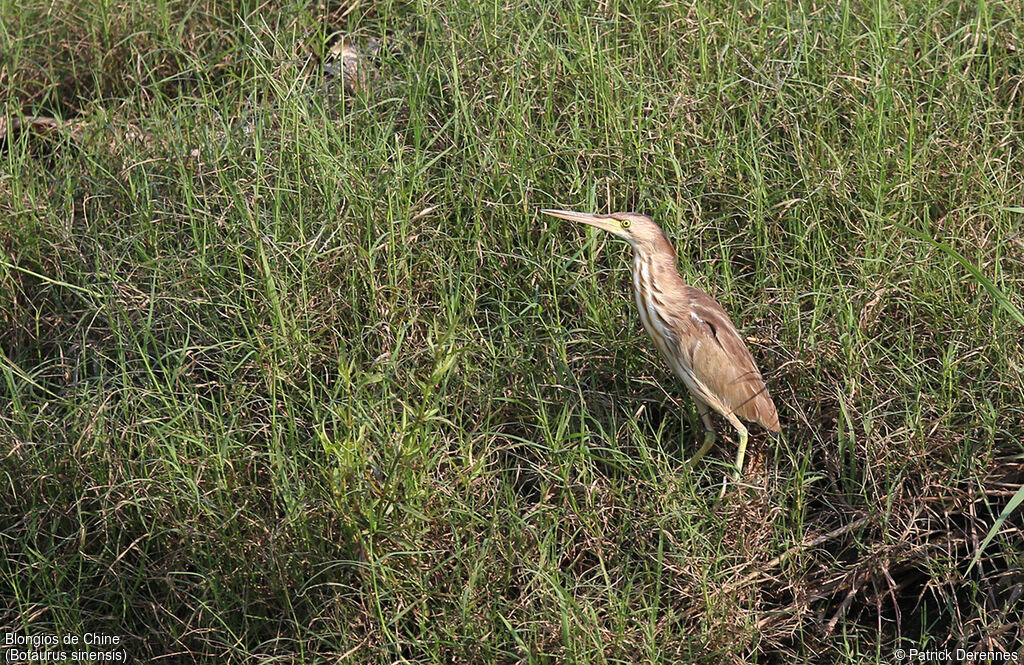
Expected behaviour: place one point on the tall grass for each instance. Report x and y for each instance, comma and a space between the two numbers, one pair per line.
296, 373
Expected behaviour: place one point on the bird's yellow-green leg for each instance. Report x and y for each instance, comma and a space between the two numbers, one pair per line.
709, 435
709, 440
741, 451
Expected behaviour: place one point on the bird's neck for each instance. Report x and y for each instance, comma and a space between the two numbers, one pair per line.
657, 268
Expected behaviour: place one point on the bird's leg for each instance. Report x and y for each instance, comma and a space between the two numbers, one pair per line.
709, 435
741, 451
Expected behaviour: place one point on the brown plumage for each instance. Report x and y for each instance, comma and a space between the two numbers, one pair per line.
691, 331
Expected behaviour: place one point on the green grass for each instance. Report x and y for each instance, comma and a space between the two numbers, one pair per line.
293, 374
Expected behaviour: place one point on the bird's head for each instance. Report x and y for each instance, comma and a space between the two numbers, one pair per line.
638, 230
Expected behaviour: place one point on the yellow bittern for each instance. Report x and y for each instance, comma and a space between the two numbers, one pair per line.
691, 330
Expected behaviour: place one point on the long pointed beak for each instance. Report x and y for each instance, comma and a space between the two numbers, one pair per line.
593, 219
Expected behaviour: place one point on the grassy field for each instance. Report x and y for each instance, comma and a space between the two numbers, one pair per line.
295, 373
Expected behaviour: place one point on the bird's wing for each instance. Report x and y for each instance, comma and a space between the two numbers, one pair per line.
719, 361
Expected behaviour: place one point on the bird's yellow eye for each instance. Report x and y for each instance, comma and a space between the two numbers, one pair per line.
625, 223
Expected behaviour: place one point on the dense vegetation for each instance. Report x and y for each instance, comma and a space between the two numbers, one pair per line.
294, 371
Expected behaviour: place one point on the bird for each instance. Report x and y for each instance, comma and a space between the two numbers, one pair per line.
692, 332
